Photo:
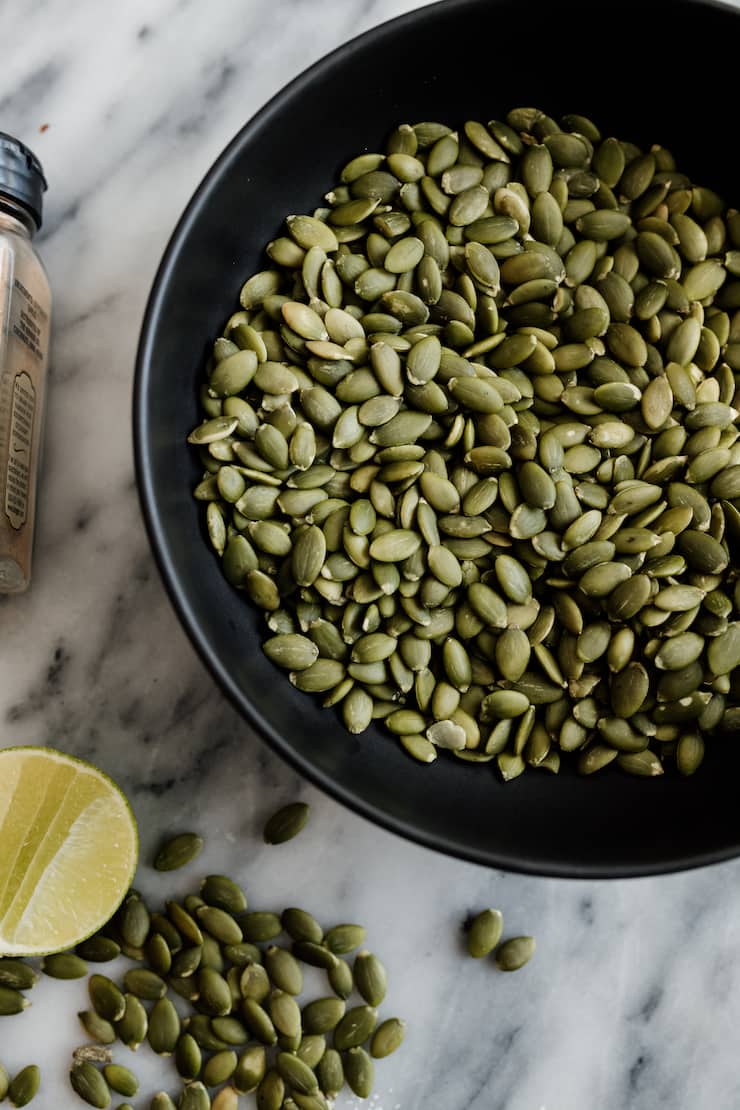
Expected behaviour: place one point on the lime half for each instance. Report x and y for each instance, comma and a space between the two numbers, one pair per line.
68, 850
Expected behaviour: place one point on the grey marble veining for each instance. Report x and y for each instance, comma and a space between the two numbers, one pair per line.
632, 1001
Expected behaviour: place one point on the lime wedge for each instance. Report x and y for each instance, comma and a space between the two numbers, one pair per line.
68, 850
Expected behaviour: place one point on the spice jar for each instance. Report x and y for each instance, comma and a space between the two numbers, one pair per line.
25, 307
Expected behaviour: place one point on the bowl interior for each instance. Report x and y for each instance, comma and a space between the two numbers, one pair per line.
650, 73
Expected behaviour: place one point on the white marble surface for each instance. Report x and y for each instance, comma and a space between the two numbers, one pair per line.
632, 1001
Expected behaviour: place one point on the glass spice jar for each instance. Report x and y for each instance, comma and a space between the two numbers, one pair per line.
25, 309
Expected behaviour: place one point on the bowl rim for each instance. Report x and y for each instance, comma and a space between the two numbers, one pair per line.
157, 533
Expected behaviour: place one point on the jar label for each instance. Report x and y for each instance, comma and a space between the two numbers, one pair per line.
28, 321
20, 445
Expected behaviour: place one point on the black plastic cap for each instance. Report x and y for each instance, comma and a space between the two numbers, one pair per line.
21, 176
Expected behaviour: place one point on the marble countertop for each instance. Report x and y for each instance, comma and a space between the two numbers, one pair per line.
632, 999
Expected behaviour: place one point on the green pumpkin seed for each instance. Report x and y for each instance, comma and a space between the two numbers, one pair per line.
296, 1074
107, 1000
220, 1068
644, 764
370, 978
323, 1015
158, 954
394, 546
355, 1027
188, 1057
468, 206
515, 953
121, 1080
164, 1028
307, 1102
447, 734
64, 966
300, 925
330, 1073
483, 936
229, 1030
233, 374
704, 279
162, 1101
96, 1027
17, 975
689, 753
215, 994
187, 961
387, 1038
310, 232
86, 1081
628, 690
284, 970
212, 431
723, 654
226, 1099
219, 924
513, 579
340, 979
679, 651
133, 1024
284, 825
144, 984
678, 599
315, 955
603, 225
513, 653
595, 758
258, 1022
254, 982
250, 1070
194, 1097
24, 1087
359, 1072
504, 704
285, 1013
342, 939
224, 893
178, 852
404, 255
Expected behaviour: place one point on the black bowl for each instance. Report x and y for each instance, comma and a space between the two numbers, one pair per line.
645, 71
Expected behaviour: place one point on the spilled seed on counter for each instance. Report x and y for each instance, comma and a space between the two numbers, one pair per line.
471, 443
241, 1018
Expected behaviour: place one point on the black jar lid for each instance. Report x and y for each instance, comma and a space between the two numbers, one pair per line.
21, 176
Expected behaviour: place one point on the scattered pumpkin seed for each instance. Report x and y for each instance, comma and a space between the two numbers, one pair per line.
286, 823
96, 1027
194, 1097
370, 978
133, 1025
17, 975
484, 933
387, 1038
178, 852
121, 1080
108, 1001
12, 1002
24, 1087
515, 953
88, 1083
342, 939
164, 1028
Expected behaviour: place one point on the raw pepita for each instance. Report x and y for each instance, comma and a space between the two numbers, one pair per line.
491, 379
